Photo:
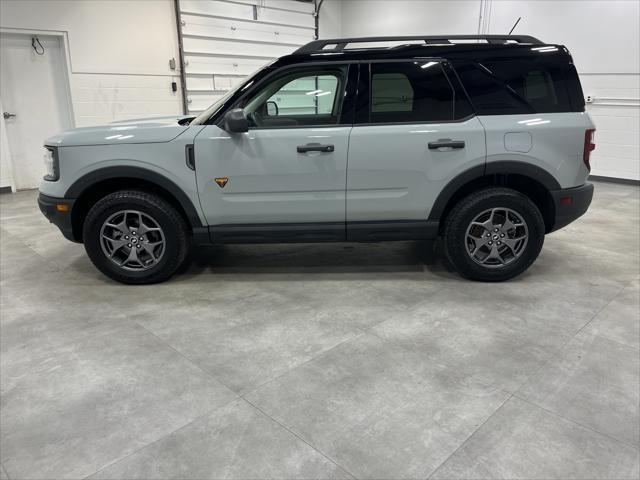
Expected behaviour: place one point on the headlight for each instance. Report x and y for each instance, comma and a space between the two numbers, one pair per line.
51, 164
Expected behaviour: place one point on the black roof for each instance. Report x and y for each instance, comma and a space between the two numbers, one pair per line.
490, 46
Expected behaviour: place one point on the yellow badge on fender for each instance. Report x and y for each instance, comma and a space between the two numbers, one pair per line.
221, 181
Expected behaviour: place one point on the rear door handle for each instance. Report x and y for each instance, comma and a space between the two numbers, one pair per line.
315, 147
445, 142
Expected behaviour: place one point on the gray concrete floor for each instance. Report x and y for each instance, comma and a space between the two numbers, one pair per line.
323, 361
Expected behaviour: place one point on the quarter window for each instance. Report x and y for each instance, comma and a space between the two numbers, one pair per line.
540, 85
515, 87
298, 99
410, 92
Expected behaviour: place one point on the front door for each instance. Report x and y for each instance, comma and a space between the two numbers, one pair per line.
412, 136
290, 167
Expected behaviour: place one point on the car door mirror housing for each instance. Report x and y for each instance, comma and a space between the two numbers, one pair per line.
235, 121
272, 109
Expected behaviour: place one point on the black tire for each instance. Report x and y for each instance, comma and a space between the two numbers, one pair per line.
171, 223
467, 210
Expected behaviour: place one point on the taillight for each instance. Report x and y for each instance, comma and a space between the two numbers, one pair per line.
589, 146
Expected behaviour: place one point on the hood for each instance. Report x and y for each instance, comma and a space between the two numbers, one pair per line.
144, 130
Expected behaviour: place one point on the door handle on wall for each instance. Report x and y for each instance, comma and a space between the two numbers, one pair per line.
445, 142
315, 147
8, 115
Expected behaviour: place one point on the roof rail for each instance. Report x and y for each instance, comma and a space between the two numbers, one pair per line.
337, 44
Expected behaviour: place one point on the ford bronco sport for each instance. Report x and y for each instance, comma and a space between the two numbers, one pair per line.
482, 140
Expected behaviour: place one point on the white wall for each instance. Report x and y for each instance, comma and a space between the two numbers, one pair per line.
361, 18
119, 53
603, 37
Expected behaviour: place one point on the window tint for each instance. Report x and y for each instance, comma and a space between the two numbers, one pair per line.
515, 86
488, 95
298, 99
391, 92
410, 92
540, 85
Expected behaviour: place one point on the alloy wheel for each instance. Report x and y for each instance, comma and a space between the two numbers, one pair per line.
133, 240
496, 237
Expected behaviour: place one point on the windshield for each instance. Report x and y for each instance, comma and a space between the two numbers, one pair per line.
205, 115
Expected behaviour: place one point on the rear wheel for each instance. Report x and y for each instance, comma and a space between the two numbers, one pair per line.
135, 237
494, 234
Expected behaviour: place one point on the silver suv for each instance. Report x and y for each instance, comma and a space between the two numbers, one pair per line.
482, 140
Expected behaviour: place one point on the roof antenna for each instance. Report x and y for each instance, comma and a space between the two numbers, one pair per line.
514, 25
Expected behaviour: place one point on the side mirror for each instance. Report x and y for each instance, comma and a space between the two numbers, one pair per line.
235, 121
272, 109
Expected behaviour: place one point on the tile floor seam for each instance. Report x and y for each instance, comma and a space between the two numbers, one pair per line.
54, 266
557, 352
301, 439
243, 395
89, 337
400, 405
556, 355
598, 335
404, 312
620, 344
192, 362
635, 254
190, 422
463, 443
600, 311
439, 362
442, 364
575, 422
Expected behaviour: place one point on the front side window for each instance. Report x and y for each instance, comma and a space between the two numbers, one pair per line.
416, 91
218, 104
303, 98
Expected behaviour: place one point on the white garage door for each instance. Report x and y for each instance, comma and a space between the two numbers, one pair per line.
615, 109
223, 41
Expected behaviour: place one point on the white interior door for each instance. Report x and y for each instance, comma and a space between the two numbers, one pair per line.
34, 94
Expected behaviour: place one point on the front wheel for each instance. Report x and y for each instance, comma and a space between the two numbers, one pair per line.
493, 235
135, 237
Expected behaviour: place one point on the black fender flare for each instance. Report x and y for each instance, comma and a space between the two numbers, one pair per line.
85, 182
502, 167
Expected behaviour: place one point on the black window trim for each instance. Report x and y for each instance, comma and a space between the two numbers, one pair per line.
364, 87
346, 111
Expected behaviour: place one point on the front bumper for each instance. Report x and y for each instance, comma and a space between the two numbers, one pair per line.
571, 203
58, 211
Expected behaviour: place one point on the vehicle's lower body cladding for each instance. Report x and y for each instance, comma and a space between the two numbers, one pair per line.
58, 212
571, 204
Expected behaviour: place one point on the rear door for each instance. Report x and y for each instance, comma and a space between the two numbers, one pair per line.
414, 132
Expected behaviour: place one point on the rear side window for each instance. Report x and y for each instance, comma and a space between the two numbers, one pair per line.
516, 86
410, 92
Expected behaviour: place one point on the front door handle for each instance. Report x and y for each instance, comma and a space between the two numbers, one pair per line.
8, 115
315, 147
446, 142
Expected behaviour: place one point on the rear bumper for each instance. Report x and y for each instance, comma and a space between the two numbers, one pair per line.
570, 204
49, 206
